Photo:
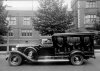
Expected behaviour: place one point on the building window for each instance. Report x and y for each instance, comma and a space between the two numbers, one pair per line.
5, 34
11, 20
3, 48
26, 33
11, 33
90, 19
91, 4
26, 20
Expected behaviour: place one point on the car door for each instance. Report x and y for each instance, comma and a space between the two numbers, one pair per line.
87, 43
47, 48
59, 45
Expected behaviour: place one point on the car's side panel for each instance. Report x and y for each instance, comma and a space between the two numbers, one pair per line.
46, 51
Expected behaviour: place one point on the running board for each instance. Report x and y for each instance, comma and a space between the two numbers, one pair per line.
52, 57
52, 60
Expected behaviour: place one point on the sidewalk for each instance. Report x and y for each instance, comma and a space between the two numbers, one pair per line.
97, 51
3, 54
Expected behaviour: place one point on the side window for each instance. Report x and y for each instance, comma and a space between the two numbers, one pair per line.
60, 41
97, 40
86, 39
73, 39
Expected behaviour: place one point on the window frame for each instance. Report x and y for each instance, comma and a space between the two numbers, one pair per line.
26, 33
91, 4
11, 33
91, 18
11, 20
26, 20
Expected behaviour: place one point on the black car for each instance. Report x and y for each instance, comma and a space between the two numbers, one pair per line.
60, 47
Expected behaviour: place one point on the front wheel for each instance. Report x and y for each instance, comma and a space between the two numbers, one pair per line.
14, 60
77, 59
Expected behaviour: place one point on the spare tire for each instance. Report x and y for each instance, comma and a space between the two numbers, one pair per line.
31, 53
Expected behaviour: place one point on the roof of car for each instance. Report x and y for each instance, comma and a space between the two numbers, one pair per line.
76, 33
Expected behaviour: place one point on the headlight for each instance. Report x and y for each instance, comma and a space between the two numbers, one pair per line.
13, 49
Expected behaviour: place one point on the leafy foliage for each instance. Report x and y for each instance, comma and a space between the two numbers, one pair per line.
3, 22
52, 17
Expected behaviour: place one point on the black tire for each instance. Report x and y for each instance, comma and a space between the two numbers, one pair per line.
33, 55
77, 59
15, 60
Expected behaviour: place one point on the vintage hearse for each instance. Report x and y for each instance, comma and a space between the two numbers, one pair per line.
61, 47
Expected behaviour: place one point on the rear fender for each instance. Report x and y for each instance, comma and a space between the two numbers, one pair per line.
22, 54
77, 52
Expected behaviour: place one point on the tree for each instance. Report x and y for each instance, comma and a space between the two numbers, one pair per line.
96, 25
52, 17
3, 22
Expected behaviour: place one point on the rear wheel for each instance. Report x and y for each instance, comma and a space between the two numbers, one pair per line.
15, 60
77, 59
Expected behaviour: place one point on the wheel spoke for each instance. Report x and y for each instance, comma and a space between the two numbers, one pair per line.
77, 59
15, 60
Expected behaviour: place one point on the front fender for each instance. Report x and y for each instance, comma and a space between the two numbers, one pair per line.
20, 53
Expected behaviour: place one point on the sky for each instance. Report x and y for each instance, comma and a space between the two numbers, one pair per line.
26, 5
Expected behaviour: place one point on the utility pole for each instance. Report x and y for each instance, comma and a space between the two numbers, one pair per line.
8, 41
9, 28
32, 18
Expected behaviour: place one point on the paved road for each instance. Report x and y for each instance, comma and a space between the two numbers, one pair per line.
91, 65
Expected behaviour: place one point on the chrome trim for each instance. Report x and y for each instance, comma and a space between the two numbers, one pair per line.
52, 60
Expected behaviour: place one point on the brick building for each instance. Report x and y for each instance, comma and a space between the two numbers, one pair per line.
21, 29
85, 12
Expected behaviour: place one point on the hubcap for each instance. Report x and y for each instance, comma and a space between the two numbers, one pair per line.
14, 60
77, 60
